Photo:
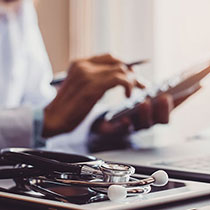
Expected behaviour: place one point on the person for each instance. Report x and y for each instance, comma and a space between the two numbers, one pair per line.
30, 109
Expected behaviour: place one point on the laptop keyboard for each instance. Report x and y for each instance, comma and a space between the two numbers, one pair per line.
201, 164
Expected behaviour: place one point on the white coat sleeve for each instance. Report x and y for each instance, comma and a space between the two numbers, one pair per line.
25, 77
16, 127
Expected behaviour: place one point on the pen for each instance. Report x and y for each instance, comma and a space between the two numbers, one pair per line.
128, 65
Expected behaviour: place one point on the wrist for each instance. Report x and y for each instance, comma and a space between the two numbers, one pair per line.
49, 129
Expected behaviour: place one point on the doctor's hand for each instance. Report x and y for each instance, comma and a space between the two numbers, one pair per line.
149, 113
87, 81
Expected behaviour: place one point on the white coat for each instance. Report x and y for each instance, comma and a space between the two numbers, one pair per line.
25, 75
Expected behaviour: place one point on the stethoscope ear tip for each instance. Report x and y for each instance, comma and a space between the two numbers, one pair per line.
117, 192
160, 177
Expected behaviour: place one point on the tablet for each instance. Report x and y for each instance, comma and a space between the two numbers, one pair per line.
179, 87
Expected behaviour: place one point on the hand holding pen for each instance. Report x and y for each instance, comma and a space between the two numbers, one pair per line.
86, 82
59, 80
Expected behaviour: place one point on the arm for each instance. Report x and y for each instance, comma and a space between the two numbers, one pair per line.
87, 81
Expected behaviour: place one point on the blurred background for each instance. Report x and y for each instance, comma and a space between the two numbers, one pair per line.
173, 34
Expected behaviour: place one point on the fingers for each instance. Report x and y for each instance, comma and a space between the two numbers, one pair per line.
162, 107
104, 72
105, 59
122, 126
118, 76
144, 117
118, 127
139, 85
122, 80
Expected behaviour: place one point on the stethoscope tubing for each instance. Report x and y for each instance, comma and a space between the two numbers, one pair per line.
102, 184
13, 173
41, 162
37, 163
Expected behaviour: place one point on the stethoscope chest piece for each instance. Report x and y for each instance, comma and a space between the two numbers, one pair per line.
113, 172
119, 175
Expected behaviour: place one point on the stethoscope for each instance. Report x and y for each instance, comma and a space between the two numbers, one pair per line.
37, 167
